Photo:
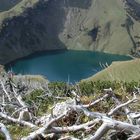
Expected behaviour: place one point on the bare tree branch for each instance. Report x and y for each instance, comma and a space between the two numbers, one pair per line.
2, 115
122, 105
4, 130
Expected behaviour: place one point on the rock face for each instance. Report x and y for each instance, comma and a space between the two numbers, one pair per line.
97, 25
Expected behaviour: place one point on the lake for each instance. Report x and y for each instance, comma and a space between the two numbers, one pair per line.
64, 66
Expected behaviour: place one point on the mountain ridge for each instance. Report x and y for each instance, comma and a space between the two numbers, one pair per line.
32, 26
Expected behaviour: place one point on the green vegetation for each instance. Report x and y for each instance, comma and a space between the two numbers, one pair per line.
126, 71
91, 87
42, 102
85, 88
89, 91
17, 131
17, 10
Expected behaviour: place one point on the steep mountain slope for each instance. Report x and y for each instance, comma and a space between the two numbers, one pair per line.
119, 71
97, 25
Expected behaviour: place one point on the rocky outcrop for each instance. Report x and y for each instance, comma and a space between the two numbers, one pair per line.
95, 25
133, 8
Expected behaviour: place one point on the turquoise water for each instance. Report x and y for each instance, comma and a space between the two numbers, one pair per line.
64, 65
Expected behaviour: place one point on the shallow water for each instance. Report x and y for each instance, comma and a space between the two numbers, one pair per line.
65, 66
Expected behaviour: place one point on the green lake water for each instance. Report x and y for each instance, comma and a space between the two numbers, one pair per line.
65, 66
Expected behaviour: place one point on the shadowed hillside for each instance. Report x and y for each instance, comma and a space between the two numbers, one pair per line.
32, 25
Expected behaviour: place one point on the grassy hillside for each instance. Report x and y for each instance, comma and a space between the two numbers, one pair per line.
107, 27
107, 16
32, 25
120, 71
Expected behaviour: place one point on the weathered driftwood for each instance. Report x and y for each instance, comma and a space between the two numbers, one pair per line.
108, 122
48, 124
4, 130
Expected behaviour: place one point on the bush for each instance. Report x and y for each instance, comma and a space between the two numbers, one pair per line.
91, 87
130, 87
43, 103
